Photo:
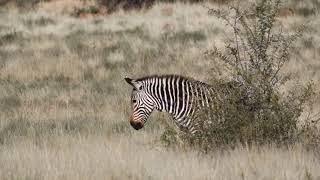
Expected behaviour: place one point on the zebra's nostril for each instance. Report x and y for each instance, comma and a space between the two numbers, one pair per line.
136, 124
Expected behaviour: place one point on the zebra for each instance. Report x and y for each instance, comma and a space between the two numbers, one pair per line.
179, 96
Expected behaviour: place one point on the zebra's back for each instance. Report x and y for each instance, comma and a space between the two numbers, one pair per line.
184, 98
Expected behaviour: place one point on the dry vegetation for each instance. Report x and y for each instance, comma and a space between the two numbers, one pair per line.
64, 104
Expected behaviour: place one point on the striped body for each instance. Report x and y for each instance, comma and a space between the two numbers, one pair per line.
177, 95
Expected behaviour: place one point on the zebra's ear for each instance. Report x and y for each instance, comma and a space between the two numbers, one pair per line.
129, 81
132, 82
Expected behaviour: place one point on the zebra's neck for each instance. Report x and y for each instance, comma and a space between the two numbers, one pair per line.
171, 94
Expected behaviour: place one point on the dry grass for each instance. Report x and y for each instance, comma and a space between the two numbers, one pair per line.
133, 158
64, 104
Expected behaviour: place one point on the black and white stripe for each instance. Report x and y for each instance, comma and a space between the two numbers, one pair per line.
177, 95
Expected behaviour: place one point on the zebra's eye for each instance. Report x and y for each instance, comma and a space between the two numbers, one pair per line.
134, 101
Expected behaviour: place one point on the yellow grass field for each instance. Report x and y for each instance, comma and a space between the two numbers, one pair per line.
64, 105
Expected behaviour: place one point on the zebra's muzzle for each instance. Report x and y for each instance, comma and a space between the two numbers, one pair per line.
136, 124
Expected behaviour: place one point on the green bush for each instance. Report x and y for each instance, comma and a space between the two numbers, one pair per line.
252, 110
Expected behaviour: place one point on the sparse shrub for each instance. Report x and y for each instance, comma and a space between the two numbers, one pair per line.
169, 137
23, 4
252, 110
7, 103
194, 1
39, 21
306, 11
86, 10
184, 37
7, 36
113, 5
310, 134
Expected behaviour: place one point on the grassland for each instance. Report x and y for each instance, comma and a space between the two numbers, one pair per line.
64, 105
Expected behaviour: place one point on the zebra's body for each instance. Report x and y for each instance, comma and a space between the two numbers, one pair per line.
179, 96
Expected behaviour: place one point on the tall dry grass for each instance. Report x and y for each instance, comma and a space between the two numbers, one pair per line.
64, 104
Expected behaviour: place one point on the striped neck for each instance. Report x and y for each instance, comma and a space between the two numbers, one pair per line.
169, 94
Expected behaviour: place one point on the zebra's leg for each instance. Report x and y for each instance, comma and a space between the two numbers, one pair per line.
187, 125
182, 127
194, 129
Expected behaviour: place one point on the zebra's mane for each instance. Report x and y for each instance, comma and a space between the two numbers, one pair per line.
174, 76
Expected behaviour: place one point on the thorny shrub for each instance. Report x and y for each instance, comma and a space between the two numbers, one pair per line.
254, 111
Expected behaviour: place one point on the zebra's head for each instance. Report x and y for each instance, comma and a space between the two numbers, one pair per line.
141, 103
